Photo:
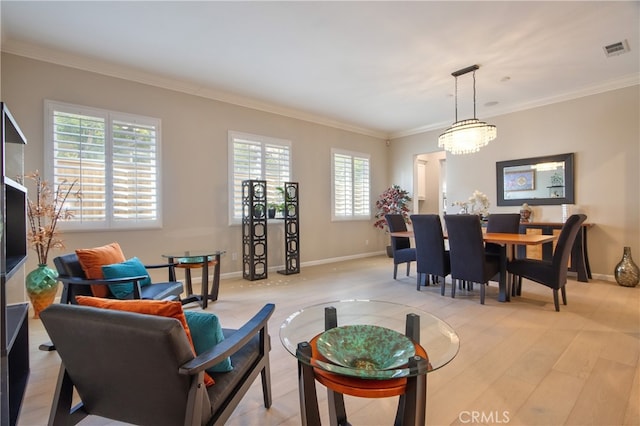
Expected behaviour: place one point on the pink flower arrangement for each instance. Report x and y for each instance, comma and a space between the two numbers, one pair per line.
394, 200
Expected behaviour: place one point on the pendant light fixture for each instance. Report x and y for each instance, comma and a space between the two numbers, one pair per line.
467, 136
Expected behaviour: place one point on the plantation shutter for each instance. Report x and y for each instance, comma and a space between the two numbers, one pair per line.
258, 157
114, 157
135, 191
351, 186
79, 153
343, 189
361, 187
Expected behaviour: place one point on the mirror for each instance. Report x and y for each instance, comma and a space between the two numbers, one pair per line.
536, 181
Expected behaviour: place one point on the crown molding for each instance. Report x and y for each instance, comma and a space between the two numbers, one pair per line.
109, 69
127, 73
614, 84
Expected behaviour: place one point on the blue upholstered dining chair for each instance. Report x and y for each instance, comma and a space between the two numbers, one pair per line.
432, 259
400, 246
469, 262
551, 273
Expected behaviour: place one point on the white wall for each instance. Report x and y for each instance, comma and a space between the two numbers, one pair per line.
194, 164
603, 132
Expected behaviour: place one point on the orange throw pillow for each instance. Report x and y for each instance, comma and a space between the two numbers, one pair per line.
92, 260
164, 308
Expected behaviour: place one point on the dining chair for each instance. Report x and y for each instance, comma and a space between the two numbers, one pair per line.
400, 246
469, 261
501, 223
551, 273
432, 259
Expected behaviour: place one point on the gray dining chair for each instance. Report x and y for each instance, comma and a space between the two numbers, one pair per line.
501, 223
551, 273
432, 259
469, 261
400, 246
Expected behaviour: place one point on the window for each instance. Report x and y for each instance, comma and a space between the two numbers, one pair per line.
256, 157
115, 158
350, 187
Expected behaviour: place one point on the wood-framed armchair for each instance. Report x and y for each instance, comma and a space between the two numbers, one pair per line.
75, 283
141, 369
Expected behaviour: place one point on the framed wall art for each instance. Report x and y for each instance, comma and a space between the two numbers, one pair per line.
519, 181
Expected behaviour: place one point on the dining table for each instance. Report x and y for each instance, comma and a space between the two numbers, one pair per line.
507, 243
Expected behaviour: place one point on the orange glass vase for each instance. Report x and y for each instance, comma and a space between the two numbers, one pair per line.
42, 286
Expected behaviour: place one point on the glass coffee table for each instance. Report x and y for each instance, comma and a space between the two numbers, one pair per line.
369, 349
196, 259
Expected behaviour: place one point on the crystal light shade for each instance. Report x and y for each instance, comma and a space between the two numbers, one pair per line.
467, 136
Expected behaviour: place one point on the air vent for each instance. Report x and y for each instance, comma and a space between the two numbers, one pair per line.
616, 48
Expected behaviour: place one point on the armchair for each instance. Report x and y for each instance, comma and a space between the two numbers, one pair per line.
141, 369
75, 283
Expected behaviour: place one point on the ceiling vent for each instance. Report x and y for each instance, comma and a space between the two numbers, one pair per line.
616, 48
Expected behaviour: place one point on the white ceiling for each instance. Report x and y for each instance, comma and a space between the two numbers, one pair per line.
381, 68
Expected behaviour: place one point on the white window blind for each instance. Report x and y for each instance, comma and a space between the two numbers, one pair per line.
115, 159
350, 173
256, 157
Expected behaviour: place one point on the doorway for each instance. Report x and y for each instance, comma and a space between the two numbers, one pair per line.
430, 183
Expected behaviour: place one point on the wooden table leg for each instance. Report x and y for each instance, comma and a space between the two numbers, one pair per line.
309, 411
205, 283
415, 397
503, 295
215, 287
579, 261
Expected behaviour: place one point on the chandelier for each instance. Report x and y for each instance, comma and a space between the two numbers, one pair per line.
467, 136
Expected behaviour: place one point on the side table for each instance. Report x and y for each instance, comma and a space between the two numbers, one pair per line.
190, 259
435, 342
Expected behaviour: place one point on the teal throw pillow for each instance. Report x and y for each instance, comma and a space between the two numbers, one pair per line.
206, 333
129, 268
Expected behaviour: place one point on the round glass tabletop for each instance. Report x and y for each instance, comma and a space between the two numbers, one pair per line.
193, 256
436, 337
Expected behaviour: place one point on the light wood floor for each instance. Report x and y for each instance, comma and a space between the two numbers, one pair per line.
520, 363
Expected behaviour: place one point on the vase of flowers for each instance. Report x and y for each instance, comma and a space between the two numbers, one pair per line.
394, 200
43, 213
478, 203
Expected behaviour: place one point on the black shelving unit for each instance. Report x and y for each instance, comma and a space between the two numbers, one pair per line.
291, 229
14, 333
254, 229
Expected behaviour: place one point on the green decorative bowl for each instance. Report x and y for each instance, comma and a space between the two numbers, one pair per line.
365, 347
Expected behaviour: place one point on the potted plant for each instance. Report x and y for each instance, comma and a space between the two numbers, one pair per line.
43, 214
394, 200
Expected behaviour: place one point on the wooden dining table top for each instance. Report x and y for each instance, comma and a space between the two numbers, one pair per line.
498, 237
